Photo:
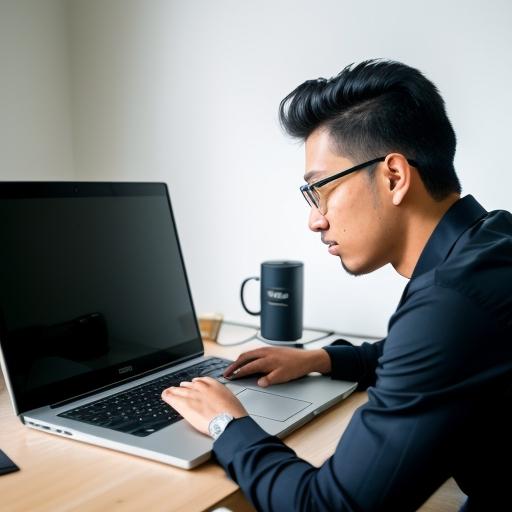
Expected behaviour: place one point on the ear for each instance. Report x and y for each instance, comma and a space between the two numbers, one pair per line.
397, 174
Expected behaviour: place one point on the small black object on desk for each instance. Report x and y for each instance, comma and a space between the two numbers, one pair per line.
6, 464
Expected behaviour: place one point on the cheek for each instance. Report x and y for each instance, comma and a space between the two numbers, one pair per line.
354, 215
358, 216
344, 209
360, 229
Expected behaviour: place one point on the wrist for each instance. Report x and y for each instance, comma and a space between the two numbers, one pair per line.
321, 361
218, 424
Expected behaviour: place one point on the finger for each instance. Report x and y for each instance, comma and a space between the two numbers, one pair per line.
243, 359
258, 366
209, 380
168, 396
272, 378
186, 384
179, 391
236, 366
166, 391
175, 401
204, 381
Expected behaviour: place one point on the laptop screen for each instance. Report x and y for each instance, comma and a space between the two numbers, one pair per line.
93, 288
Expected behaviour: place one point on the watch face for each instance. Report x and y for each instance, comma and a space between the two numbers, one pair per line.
219, 424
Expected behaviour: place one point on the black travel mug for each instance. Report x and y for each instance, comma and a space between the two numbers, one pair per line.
281, 297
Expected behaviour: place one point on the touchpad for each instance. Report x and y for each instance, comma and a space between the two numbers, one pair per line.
268, 405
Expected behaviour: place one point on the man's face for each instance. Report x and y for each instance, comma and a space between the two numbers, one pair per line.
358, 225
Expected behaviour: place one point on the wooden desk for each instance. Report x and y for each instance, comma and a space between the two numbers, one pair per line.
64, 475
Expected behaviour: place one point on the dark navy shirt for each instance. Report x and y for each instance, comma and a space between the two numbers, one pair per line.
439, 391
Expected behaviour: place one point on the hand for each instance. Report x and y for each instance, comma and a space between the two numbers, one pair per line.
201, 400
279, 364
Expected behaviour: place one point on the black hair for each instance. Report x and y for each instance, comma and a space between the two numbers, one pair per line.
375, 108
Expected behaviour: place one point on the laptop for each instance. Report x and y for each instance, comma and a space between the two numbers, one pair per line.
97, 318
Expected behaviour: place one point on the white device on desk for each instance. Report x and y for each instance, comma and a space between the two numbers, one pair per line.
96, 319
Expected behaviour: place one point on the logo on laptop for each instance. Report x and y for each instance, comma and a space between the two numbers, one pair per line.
125, 369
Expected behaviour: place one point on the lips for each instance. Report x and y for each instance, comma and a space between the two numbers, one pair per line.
328, 242
332, 249
331, 245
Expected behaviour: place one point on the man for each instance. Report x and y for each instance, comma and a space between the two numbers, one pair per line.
382, 189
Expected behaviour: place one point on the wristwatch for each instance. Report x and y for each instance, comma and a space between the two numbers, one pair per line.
218, 424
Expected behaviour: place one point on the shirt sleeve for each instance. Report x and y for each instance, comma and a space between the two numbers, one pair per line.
398, 448
355, 363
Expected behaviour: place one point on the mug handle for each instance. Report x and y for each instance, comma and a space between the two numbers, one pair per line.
245, 281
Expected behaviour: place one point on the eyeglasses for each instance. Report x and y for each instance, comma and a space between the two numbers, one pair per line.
312, 194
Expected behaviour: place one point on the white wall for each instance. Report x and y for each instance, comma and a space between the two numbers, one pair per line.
186, 91
35, 123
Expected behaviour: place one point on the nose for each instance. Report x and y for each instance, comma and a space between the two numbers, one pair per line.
317, 222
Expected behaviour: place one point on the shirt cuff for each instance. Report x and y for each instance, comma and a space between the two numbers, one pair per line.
345, 363
240, 433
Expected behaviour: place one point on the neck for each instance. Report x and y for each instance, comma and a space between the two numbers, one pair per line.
422, 218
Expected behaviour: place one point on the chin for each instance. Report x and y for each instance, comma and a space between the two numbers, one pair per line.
357, 270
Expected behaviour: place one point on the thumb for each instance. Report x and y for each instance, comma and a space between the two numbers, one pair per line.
269, 379
263, 382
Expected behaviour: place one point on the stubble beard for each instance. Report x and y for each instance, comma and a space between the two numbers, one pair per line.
354, 273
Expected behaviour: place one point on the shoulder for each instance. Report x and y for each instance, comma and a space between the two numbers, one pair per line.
480, 266
455, 321
438, 338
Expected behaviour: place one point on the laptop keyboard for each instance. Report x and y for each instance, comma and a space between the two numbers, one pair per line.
140, 411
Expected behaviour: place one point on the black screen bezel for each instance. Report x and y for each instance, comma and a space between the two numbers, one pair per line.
83, 385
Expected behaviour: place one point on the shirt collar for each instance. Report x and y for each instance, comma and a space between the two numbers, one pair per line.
459, 217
